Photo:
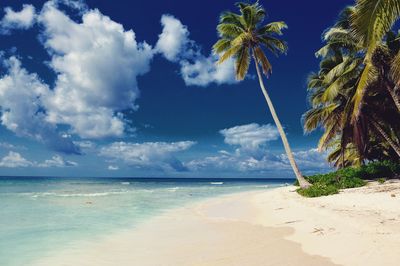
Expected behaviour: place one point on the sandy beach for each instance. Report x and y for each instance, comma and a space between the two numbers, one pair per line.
273, 227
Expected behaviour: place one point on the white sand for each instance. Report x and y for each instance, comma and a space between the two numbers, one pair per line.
275, 227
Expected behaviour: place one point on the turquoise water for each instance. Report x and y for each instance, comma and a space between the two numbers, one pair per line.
39, 216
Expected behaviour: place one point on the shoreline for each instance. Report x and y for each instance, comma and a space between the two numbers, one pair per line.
273, 227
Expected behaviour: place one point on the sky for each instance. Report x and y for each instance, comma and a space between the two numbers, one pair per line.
132, 89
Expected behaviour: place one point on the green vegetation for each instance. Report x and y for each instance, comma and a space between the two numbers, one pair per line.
244, 36
381, 180
349, 177
354, 96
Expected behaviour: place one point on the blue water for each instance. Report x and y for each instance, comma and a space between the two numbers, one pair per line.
40, 216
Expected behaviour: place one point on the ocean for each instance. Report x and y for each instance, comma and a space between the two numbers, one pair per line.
40, 216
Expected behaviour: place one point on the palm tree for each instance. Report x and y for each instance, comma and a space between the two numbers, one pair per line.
370, 22
243, 36
374, 134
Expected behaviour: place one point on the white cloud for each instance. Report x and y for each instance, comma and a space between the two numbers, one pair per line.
13, 160
97, 63
57, 161
78, 5
174, 38
23, 19
251, 136
202, 71
113, 168
196, 69
10, 146
148, 155
22, 109
252, 155
309, 161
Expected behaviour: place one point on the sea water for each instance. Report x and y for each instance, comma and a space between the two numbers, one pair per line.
41, 216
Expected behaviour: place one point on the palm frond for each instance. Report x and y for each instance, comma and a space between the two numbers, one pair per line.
229, 30
222, 45
262, 60
242, 62
372, 19
395, 69
273, 28
231, 52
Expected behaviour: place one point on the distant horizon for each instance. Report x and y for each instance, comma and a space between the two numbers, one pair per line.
158, 178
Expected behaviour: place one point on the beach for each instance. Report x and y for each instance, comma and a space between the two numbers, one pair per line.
273, 227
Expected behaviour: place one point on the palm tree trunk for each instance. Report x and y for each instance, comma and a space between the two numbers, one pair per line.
394, 96
395, 147
302, 181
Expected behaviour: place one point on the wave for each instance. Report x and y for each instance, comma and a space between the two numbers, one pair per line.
173, 189
94, 194
216, 183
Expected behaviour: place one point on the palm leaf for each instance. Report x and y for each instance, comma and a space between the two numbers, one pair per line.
242, 62
229, 30
262, 60
395, 68
372, 19
231, 52
221, 46
273, 28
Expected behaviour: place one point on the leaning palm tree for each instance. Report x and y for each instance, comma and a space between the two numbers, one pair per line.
370, 22
242, 36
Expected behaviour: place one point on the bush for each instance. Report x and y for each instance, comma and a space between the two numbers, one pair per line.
349, 177
318, 190
381, 180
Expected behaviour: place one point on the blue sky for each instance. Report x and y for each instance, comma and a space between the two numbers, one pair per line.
111, 88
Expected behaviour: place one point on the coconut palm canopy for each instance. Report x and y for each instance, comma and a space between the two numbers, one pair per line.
355, 96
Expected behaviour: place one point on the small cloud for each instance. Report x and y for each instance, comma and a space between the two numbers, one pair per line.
57, 161
174, 38
251, 136
13, 160
149, 155
113, 168
196, 69
23, 19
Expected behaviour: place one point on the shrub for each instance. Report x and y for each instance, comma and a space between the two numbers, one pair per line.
349, 177
381, 180
318, 190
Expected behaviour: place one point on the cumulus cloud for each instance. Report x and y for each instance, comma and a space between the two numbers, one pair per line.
252, 156
113, 168
78, 5
13, 160
309, 161
201, 71
57, 161
97, 63
251, 136
22, 109
149, 155
174, 39
196, 69
23, 19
